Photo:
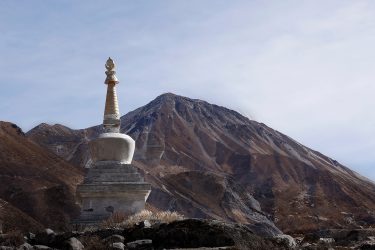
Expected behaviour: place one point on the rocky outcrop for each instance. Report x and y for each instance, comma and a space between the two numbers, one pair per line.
189, 233
194, 233
207, 161
340, 239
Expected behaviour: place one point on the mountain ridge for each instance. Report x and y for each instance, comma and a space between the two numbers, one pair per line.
177, 136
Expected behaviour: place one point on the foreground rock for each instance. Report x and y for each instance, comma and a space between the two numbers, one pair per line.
188, 233
194, 233
340, 239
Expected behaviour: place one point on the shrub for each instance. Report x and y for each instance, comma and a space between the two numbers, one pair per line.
163, 217
120, 220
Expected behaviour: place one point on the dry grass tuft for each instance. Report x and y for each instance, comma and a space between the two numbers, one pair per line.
158, 217
151, 208
120, 220
114, 221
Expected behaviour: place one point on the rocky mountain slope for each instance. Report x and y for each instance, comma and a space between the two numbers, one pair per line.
208, 161
37, 187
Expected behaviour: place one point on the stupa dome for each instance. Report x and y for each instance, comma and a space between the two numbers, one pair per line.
112, 147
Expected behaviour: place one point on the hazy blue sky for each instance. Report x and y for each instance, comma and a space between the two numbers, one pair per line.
305, 68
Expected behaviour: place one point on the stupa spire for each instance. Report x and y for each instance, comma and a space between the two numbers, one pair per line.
111, 121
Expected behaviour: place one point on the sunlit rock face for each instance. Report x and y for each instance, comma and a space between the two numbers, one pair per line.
112, 184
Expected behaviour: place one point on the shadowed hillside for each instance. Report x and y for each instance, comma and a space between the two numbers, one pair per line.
36, 186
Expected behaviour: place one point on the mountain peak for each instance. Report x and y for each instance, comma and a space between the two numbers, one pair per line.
177, 136
11, 128
49, 130
187, 108
167, 95
169, 98
174, 97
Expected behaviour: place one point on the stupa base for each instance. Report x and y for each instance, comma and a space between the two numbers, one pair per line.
100, 201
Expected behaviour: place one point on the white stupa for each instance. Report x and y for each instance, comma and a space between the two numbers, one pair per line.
112, 184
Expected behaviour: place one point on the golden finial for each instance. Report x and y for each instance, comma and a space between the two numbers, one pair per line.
110, 64
111, 73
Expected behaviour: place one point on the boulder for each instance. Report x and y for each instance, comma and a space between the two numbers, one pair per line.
140, 245
117, 246
49, 231
46, 238
286, 240
146, 224
311, 238
114, 238
25, 246
30, 236
327, 240
42, 247
62, 240
105, 233
73, 244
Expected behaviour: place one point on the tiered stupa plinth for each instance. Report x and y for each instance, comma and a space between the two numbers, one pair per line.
112, 184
